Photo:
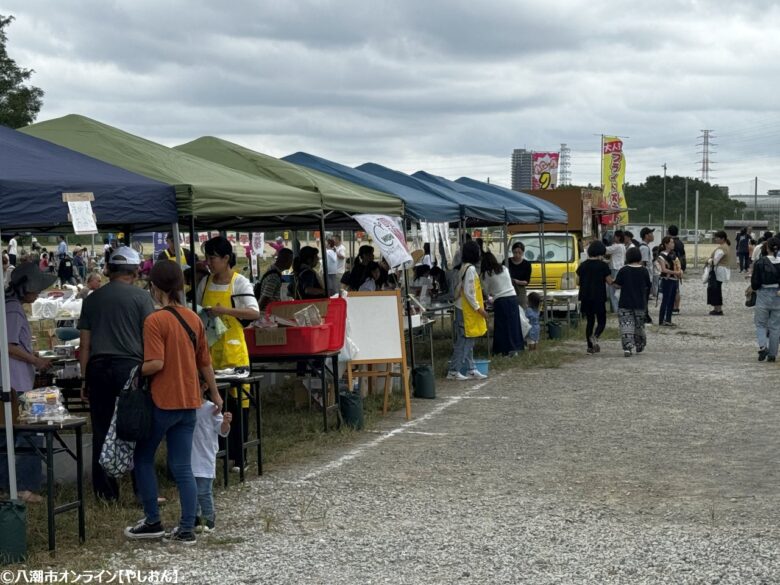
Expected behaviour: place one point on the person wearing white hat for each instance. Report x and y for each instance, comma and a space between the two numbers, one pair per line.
26, 283
111, 327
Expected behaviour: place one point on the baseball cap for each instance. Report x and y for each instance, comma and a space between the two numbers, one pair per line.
644, 231
32, 278
125, 256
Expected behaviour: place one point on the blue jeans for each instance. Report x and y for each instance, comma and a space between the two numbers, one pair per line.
205, 499
668, 292
766, 316
177, 427
463, 350
28, 465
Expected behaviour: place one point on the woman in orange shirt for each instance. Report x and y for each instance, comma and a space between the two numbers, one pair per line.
175, 350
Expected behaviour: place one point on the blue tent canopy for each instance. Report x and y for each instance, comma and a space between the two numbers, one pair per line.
420, 204
469, 209
515, 211
34, 173
551, 213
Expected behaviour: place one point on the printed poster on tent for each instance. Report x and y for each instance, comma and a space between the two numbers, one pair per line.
387, 236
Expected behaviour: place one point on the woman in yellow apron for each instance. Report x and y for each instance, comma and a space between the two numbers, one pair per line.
470, 316
228, 296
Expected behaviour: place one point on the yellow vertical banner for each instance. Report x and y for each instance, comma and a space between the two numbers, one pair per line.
613, 176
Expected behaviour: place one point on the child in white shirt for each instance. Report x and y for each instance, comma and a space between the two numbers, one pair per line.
210, 423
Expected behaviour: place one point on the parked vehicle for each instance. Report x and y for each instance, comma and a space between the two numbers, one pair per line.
562, 255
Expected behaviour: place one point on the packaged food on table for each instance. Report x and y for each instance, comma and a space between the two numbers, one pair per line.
42, 405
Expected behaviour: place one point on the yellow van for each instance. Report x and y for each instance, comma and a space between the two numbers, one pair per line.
562, 256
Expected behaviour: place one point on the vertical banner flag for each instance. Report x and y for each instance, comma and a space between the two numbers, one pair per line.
545, 170
388, 236
613, 175
258, 244
159, 242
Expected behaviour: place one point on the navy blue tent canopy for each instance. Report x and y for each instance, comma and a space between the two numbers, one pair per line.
470, 210
551, 213
34, 173
515, 211
420, 204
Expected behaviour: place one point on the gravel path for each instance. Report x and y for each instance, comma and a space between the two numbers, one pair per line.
661, 468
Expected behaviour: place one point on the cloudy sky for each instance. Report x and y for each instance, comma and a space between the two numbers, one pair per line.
449, 86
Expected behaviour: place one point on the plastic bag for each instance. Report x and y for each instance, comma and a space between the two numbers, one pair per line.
525, 324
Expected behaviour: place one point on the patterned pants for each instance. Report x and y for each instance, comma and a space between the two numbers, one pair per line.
632, 328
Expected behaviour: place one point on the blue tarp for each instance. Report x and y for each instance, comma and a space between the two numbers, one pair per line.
551, 213
34, 173
516, 211
419, 204
469, 209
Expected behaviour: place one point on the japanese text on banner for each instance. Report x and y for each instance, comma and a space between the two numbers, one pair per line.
613, 173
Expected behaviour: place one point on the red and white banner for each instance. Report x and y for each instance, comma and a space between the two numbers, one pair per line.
545, 170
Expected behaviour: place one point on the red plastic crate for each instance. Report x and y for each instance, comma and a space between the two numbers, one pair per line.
298, 340
335, 316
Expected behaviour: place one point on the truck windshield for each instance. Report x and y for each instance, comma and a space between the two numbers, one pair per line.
555, 248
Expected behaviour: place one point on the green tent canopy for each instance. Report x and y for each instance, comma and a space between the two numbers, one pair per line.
337, 195
209, 191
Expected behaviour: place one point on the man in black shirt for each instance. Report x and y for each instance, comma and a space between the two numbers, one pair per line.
593, 274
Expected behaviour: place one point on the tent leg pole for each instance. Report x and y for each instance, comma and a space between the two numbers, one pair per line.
506, 242
176, 242
5, 382
193, 288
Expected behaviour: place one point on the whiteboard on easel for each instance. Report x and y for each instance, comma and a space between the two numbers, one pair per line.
375, 326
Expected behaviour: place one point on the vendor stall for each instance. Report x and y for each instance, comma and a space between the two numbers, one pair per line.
34, 176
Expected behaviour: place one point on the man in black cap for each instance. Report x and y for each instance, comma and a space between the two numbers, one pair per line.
647, 237
111, 324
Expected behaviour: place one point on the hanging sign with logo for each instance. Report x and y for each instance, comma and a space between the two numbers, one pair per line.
390, 239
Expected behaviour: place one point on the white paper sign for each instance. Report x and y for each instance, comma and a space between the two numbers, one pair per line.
82, 218
258, 244
385, 232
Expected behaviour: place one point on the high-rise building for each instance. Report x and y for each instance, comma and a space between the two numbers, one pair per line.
522, 169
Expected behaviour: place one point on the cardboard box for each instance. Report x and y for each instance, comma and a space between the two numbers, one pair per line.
287, 311
273, 336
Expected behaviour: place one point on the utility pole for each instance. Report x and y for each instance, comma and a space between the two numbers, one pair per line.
663, 212
755, 200
686, 202
696, 231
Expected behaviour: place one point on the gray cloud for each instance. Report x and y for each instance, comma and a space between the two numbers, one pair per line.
447, 84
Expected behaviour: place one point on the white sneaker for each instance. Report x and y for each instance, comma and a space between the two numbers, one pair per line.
476, 375
456, 376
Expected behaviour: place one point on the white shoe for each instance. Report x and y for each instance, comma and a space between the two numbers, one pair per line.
456, 376
476, 375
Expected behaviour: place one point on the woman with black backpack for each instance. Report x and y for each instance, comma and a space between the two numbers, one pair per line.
765, 282
306, 282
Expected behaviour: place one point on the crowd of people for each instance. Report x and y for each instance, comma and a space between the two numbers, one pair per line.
124, 326
611, 274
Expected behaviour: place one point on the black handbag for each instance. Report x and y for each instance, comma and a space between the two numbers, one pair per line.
750, 298
134, 408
